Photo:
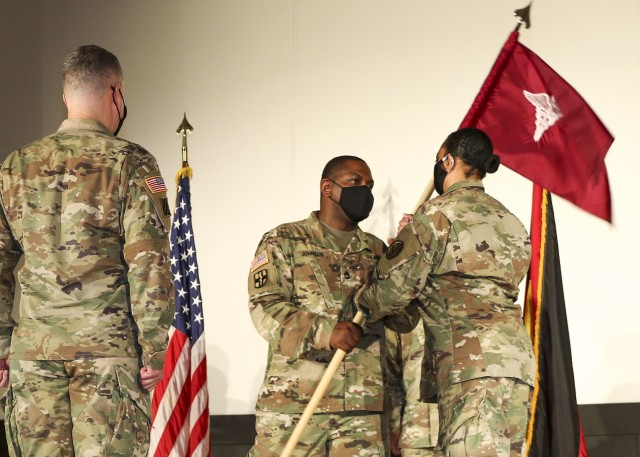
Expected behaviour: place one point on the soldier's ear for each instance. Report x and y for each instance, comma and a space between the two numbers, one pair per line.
325, 187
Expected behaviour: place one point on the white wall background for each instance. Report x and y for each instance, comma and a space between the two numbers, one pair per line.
275, 88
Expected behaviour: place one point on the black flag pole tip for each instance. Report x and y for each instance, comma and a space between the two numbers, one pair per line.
523, 16
184, 126
183, 130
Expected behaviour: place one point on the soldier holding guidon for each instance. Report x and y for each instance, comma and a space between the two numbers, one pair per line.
301, 289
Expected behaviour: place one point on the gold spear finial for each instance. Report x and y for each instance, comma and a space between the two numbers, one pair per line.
183, 129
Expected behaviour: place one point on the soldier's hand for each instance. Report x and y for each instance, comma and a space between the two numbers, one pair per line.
4, 372
345, 336
394, 443
149, 377
406, 218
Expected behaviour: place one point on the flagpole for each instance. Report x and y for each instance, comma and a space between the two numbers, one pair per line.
333, 366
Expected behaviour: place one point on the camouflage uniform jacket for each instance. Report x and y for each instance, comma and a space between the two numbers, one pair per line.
300, 286
462, 257
87, 212
403, 367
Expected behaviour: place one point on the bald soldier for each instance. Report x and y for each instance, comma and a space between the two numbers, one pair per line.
87, 212
301, 288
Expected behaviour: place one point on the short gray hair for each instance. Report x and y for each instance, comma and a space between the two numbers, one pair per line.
90, 67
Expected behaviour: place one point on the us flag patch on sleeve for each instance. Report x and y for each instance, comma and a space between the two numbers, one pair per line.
261, 259
156, 184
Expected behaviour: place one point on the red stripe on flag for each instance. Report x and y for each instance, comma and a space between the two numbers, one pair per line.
200, 432
173, 408
175, 423
174, 349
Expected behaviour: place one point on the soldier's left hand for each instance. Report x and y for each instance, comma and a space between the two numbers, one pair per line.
149, 377
4, 372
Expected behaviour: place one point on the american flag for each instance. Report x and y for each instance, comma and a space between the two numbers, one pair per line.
156, 184
180, 404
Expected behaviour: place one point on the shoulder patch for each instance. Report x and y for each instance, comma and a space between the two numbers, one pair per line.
394, 250
155, 184
261, 259
260, 278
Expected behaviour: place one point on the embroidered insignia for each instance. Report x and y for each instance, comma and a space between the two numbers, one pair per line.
312, 253
394, 250
260, 278
261, 259
156, 184
547, 112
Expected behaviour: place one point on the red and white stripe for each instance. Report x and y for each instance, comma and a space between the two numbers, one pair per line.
180, 424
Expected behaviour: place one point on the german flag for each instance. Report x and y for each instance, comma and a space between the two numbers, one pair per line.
554, 427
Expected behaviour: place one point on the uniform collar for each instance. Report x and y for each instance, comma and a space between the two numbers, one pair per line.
465, 183
359, 242
83, 124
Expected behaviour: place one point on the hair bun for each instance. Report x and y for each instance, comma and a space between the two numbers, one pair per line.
491, 163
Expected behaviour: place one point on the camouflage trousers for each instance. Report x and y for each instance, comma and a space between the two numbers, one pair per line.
424, 452
326, 435
88, 408
485, 417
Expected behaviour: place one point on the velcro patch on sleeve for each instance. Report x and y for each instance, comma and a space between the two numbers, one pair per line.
261, 259
155, 184
406, 246
260, 278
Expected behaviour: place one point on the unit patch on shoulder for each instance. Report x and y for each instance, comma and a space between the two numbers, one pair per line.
261, 259
394, 250
260, 278
155, 184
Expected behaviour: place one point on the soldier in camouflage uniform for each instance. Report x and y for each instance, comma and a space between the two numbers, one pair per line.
461, 260
301, 288
87, 212
413, 420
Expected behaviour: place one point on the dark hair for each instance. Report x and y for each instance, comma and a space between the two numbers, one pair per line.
475, 149
333, 166
90, 67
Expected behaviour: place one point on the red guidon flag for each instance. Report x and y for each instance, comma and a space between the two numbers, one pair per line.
554, 427
543, 129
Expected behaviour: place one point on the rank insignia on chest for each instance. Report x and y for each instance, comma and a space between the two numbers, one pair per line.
260, 278
394, 250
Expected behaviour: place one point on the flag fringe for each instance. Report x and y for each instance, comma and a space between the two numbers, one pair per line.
536, 340
184, 172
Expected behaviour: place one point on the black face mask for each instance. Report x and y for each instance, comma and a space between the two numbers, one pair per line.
355, 201
120, 119
438, 176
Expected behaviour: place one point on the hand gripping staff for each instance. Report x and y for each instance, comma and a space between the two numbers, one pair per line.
337, 359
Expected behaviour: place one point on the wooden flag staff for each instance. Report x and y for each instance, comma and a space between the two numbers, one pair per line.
334, 364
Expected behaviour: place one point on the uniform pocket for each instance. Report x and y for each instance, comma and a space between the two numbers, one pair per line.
131, 422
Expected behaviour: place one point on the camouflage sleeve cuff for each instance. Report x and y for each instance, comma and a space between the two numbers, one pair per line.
154, 361
323, 331
395, 419
5, 345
